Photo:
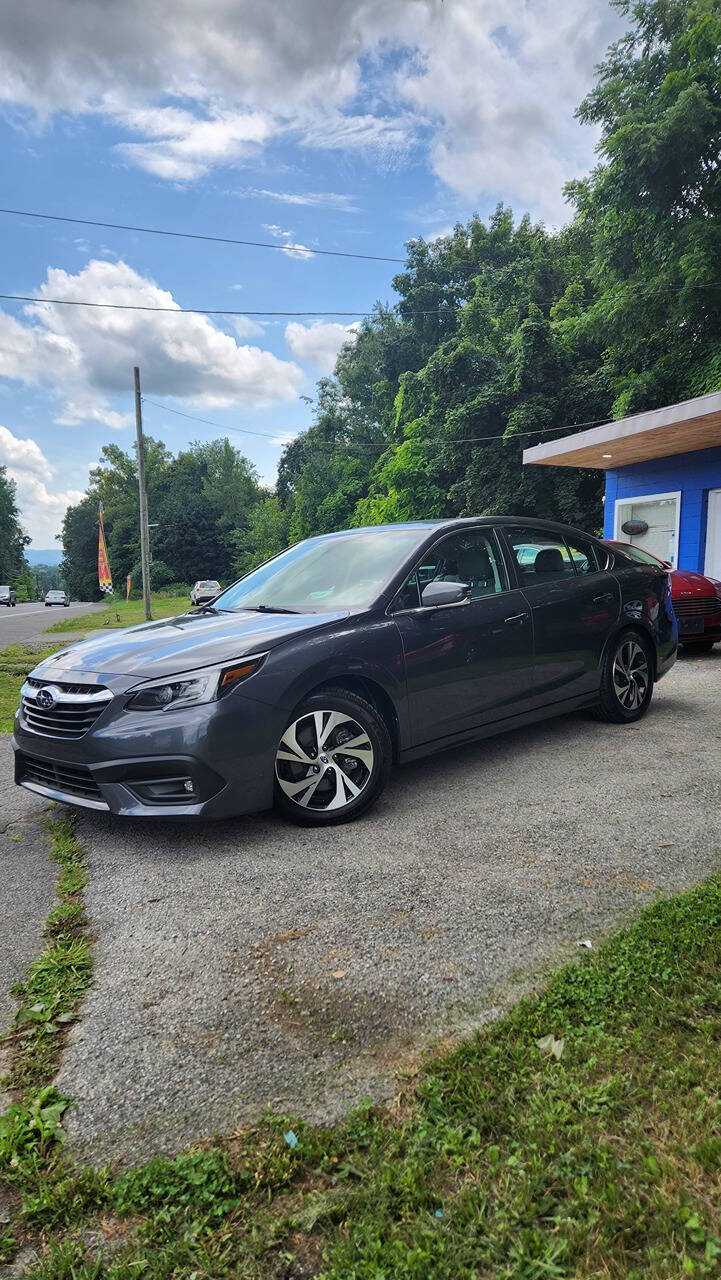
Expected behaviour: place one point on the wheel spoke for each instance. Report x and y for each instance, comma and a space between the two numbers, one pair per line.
295, 789
359, 747
335, 718
294, 750
340, 798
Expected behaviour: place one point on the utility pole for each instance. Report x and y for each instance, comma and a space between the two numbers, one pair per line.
143, 499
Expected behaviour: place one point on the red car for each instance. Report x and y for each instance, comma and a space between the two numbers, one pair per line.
696, 600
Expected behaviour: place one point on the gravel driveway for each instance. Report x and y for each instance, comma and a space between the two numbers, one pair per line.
255, 964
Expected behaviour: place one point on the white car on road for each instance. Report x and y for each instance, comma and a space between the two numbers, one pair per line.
204, 591
56, 597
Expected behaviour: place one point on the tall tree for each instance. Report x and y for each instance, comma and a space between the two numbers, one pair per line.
653, 205
13, 539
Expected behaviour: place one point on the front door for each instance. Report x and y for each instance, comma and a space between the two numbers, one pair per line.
575, 603
713, 535
466, 664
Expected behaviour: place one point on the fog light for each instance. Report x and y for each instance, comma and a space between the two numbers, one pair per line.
188, 784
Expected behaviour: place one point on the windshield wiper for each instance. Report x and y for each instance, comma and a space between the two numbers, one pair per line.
269, 608
205, 608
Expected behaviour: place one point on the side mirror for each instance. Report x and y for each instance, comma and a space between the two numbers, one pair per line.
437, 594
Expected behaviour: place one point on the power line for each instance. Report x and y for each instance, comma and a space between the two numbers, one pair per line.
193, 235
537, 431
175, 311
246, 431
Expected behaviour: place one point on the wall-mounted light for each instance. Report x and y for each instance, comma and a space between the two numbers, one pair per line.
606, 455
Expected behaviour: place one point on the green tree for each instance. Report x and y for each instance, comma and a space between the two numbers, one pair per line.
266, 535
13, 540
653, 204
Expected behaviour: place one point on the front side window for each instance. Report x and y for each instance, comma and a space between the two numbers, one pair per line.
343, 571
470, 557
541, 557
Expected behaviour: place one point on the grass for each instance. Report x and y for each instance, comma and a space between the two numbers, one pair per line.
502, 1160
50, 996
128, 613
16, 662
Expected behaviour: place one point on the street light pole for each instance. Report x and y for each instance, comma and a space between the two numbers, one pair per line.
142, 499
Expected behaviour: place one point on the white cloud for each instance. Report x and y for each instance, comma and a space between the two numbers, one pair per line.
290, 247
25, 455
188, 147
318, 343
246, 327
309, 199
86, 354
41, 508
489, 88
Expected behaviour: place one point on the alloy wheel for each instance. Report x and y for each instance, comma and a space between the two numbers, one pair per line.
630, 675
324, 760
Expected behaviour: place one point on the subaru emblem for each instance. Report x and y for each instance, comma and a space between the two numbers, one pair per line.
45, 699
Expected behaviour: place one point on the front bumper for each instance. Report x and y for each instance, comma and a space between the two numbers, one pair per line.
137, 764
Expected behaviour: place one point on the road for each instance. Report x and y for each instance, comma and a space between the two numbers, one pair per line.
28, 621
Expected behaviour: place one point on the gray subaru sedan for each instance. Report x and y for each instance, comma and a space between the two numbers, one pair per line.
305, 681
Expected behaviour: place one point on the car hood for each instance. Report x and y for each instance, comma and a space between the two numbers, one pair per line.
687, 582
157, 649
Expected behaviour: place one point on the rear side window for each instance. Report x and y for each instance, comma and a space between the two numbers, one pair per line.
541, 557
584, 557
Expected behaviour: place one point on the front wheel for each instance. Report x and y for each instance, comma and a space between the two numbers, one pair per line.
333, 759
626, 679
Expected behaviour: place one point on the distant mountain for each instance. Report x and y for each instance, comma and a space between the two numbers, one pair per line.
53, 556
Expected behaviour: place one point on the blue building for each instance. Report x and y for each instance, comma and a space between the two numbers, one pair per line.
663, 479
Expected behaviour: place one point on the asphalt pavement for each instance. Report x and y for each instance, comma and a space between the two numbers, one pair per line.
28, 621
256, 964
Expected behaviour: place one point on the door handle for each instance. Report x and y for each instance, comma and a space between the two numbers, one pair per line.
515, 618
602, 599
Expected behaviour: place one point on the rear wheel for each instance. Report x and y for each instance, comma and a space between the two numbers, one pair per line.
333, 759
626, 679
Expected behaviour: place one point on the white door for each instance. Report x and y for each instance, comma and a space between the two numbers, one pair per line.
660, 513
713, 535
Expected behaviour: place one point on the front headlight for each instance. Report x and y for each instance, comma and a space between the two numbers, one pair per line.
191, 687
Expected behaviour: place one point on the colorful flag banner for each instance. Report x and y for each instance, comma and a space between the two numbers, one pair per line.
128, 586
105, 580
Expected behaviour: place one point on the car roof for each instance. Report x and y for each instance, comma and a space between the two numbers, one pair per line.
460, 522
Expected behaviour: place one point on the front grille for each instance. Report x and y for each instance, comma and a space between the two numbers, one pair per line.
697, 606
74, 710
54, 775
66, 688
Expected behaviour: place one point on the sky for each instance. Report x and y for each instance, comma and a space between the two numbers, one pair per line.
348, 125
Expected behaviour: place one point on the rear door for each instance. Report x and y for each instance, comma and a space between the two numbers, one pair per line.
574, 601
466, 664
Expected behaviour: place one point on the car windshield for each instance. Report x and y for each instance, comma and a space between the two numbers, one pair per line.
637, 553
341, 572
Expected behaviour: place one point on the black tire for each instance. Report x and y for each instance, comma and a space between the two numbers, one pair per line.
334, 781
698, 646
632, 651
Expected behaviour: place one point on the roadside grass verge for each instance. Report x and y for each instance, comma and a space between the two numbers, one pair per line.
49, 998
16, 662
503, 1159
129, 612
